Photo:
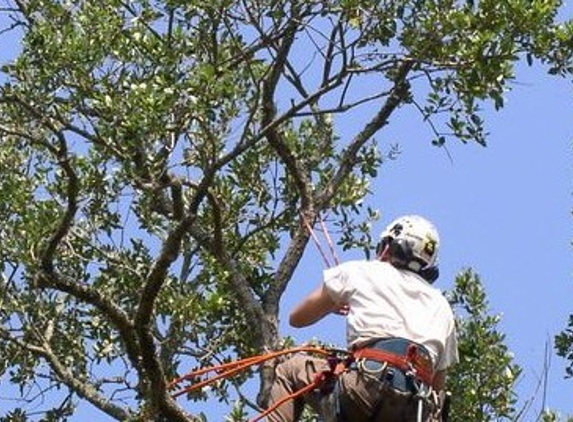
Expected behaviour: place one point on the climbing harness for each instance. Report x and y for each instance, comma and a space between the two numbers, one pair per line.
406, 366
413, 362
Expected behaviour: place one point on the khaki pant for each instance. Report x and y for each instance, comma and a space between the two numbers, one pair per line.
362, 397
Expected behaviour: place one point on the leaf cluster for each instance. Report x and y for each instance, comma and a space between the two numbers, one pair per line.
483, 382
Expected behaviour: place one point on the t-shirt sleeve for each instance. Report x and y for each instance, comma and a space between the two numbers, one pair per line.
337, 283
450, 355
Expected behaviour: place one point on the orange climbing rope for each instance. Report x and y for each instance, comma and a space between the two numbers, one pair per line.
323, 381
229, 369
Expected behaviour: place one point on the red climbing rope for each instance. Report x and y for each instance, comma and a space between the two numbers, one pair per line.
305, 390
318, 244
329, 242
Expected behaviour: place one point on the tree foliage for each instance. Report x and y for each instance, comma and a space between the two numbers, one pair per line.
160, 162
564, 345
482, 383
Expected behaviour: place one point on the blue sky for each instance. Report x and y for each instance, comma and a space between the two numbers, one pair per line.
504, 210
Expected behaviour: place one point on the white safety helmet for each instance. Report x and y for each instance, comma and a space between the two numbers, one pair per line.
413, 242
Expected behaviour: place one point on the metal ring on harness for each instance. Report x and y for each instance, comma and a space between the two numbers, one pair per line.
360, 363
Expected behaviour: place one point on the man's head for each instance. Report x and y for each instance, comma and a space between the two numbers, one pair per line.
411, 242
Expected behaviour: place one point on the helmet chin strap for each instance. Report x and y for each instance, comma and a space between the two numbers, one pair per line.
383, 254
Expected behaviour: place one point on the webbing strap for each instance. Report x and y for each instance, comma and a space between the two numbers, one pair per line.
406, 363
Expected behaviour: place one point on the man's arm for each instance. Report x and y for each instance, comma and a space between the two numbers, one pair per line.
316, 305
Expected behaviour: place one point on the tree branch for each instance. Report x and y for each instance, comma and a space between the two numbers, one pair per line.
81, 388
105, 305
150, 360
397, 96
252, 307
269, 113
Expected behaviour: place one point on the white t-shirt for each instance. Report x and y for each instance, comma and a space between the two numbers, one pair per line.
387, 302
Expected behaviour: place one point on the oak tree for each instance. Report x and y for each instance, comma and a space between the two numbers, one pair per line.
160, 163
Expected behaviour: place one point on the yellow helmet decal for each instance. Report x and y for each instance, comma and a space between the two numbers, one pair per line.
430, 246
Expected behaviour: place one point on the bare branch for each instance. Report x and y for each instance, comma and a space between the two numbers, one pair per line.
329, 55
273, 136
398, 95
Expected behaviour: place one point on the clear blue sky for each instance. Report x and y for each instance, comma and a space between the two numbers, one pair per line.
504, 210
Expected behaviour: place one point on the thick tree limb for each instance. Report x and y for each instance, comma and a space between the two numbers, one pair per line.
151, 365
49, 278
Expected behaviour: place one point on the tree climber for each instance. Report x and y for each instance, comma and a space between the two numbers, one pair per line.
399, 328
